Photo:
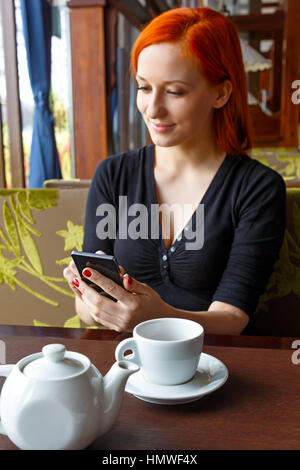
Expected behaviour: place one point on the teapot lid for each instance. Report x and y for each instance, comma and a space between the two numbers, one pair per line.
55, 363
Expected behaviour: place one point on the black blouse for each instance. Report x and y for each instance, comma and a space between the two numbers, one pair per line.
244, 223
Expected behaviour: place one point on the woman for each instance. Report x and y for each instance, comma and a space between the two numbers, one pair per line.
192, 94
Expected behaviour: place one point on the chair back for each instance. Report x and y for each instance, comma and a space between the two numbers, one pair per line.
278, 311
38, 230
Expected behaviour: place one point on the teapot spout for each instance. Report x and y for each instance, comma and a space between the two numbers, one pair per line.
114, 384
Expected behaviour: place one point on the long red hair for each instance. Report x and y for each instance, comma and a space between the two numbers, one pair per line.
213, 41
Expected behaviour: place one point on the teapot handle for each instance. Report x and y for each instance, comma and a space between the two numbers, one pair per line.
5, 370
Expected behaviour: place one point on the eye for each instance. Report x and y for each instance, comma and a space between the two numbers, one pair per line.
170, 92
176, 92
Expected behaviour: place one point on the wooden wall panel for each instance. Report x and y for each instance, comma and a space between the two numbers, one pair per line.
2, 161
291, 72
281, 129
89, 85
14, 120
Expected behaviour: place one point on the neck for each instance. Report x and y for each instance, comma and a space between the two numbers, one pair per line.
175, 158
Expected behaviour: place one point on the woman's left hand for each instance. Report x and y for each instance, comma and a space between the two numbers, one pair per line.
136, 302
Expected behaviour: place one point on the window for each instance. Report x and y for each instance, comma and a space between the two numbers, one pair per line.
60, 93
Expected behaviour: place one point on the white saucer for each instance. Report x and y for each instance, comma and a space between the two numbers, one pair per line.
211, 374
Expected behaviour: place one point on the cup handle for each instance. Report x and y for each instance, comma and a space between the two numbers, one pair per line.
126, 345
5, 370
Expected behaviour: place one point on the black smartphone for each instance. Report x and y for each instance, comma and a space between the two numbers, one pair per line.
104, 264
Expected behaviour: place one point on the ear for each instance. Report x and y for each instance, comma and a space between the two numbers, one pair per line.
224, 91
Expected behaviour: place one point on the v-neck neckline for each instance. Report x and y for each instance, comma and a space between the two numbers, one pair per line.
213, 184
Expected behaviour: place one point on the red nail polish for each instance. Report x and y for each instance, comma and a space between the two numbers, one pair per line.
75, 282
129, 280
86, 273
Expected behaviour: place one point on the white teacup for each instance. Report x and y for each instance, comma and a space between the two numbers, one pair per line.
166, 349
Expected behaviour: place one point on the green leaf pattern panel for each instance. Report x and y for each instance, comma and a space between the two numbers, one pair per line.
73, 239
285, 279
18, 250
285, 161
73, 322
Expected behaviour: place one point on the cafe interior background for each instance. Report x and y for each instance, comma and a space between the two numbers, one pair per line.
69, 102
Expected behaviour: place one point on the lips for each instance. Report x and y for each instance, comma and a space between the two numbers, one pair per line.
162, 128
161, 125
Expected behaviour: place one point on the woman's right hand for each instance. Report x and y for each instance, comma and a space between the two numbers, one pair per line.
71, 274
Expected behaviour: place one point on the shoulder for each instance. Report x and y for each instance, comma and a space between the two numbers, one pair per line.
259, 186
257, 177
113, 174
126, 161
258, 170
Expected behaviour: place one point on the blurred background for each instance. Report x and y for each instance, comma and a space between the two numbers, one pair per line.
93, 100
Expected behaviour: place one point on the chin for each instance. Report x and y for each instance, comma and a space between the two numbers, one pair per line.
164, 141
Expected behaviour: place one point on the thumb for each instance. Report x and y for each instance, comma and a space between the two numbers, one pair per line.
133, 285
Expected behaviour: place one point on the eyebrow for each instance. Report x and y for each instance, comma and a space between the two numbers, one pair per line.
165, 81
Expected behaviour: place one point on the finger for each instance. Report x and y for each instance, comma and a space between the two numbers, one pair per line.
73, 268
95, 306
106, 320
69, 276
122, 271
102, 309
76, 291
133, 285
99, 252
109, 286
96, 300
68, 273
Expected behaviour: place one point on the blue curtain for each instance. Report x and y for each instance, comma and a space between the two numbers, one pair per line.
37, 21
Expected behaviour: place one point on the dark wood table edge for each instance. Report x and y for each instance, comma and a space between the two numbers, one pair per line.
264, 342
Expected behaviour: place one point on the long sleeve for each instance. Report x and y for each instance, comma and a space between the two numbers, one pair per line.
258, 236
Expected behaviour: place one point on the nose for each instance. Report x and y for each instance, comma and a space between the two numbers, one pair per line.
155, 106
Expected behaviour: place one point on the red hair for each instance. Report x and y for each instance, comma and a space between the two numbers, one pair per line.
213, 41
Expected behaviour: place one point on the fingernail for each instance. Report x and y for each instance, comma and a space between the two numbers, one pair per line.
75, 282
129, 279
86, 273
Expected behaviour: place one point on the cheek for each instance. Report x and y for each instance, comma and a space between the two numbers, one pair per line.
189, 111
140, 103
188, 114
199, 111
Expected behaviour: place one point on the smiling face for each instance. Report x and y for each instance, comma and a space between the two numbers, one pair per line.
187, 107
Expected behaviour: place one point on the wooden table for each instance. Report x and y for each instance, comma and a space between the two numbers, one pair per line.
257, 408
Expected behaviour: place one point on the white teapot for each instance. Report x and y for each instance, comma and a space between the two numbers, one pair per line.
57, 399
